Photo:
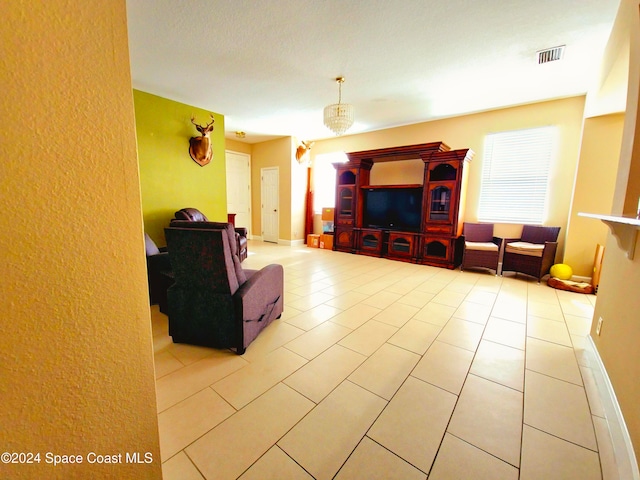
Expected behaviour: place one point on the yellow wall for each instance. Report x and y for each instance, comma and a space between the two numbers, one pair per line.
593, 190
618, 300
469, 131
169, 178
77, 371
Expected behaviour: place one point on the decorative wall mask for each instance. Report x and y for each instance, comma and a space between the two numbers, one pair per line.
200, 147
302, 150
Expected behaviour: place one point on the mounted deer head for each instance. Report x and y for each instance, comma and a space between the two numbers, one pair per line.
303, 149
200, 147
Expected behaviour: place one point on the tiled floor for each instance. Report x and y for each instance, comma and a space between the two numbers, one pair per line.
387, 370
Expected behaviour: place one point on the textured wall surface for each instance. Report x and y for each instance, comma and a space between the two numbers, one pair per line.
76, 362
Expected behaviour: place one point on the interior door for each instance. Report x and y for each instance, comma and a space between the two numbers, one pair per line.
270, 203
239, 188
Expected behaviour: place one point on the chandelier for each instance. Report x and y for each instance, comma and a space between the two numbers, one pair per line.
338, 117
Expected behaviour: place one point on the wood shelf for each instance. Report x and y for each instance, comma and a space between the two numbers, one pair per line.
623, 228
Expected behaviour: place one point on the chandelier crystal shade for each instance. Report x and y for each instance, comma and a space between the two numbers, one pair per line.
338, 117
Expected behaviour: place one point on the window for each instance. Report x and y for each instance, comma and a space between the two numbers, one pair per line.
324, 180
515, 175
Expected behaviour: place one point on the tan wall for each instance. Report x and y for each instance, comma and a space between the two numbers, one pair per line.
237, 146
618, 300
469, 131
275, 153
593, 190
77, 363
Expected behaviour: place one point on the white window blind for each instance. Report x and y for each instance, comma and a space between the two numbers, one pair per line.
515, 175
324, 180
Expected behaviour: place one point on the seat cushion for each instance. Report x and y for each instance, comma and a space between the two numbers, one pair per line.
485, 246
525, 248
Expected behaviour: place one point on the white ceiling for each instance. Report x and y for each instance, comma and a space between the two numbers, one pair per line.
269, 66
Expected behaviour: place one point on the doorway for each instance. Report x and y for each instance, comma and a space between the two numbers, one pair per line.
239, 188
270, 203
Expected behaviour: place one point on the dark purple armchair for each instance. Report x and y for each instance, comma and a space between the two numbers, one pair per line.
195, 215
214, 302
533, 253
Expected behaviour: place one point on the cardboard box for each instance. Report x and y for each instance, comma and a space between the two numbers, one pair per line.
326, 241
313, 240
327, 214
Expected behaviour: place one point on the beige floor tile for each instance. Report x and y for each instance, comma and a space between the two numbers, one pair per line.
481, 297
579, 325
577, 305
605, 449
166, 363
314, 317
270, 339
462, 333
248, 383
552, 359
489, 416
505, 332
414, 422
234, 445
324, 373
384, 371
309, 287
510, 310
416, 298
473, 312
431, 286
593, 395
289, 312
582, 350
382, 300
461, 285
445, 366
309, 301
180, 468
188, 420
356, 316
346, 300
550, 311
549, 330
161, 342
188, 354
449, 298
370, 461
396, 314
558, 408
275, 465
459, 460
415, 336
324, 439
435, 313
499, 363
183, 383
311, 344
545, 456
369, 337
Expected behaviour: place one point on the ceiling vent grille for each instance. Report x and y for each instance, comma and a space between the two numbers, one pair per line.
550, 54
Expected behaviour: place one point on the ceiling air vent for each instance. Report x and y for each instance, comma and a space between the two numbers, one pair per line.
550, 54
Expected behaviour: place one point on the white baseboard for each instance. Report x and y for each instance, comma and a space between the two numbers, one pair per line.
620, 438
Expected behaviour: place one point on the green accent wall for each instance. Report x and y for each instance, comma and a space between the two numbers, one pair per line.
169, 178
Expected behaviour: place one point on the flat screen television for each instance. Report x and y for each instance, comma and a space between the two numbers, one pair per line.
393, 208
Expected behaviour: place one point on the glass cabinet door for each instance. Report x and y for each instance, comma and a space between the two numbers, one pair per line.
345, 201
440, 203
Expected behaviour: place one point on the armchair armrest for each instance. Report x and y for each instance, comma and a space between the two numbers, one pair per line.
262, 289
242, 231
159, 262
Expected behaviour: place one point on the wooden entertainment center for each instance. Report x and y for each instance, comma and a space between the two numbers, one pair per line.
419, 223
